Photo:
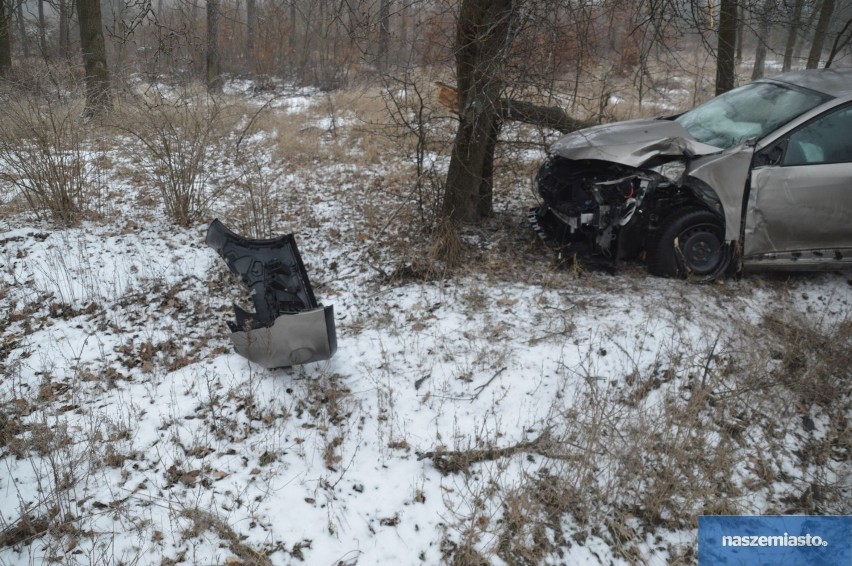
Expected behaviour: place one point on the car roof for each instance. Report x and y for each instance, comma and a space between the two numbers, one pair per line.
833, 82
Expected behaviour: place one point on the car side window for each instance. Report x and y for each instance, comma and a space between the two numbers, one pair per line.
825, 140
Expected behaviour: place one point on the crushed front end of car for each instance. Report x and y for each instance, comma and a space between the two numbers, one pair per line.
288, 326
608, 192
590, 207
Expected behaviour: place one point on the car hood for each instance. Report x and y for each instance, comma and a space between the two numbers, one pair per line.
632, 142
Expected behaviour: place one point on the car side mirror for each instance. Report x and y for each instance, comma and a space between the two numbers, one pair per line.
771, 155
776, 153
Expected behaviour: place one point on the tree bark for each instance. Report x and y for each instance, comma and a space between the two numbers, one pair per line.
726, 47
22, 30
214, 80
762, 40
482, 37
5, 42
819, 34
552, 117
251, 30
384, 33
792, 35
94, 56
292, 39
42, 30
740, 26
64, 29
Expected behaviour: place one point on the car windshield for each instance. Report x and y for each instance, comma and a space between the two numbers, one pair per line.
753, 110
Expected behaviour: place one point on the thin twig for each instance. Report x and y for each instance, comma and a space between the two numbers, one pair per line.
482, 387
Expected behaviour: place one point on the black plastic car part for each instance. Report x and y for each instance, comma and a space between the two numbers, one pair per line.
288, 326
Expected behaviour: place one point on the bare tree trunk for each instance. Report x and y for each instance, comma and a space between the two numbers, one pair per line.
740, 26
214, 80
792, 35
251, 30
42, 27
64, 29
22, 30
94, 56
762, 39
482, 35
726, 49
5, 43
384, 33
760, 56
292, 38
819, 34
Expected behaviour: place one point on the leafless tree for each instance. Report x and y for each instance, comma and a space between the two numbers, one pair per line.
42, 30
384, 33
764, 30
22, 29
94, 56
5, 42
214, 79
726, 48
251, 32
482, 45
841, 40
65, 28
793, 32
825, 14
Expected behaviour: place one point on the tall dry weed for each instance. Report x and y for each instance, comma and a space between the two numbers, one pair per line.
46, 154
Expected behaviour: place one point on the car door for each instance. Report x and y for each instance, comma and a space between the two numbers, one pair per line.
799, 206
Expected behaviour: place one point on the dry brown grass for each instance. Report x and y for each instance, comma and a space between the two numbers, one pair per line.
623, 461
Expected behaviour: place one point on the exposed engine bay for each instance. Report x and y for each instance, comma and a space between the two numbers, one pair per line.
600, 209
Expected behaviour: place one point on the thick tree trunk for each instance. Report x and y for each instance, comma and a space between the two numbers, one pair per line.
819, 34
214, 80
792, 35
94, 56
5, 43
482, 38
726, 49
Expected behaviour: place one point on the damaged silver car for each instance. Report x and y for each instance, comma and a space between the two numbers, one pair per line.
757, 178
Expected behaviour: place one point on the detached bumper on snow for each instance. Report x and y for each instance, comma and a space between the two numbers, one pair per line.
288, 326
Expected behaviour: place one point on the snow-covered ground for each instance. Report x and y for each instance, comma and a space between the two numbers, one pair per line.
509, 411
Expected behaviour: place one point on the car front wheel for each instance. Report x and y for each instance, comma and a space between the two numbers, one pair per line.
690, 243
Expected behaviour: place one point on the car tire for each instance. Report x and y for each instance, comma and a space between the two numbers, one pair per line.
690, 244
